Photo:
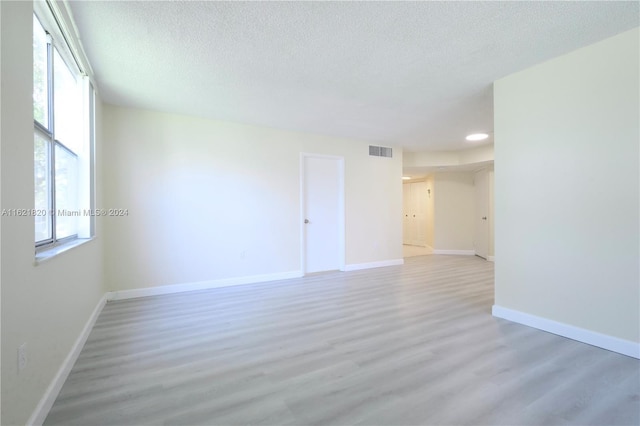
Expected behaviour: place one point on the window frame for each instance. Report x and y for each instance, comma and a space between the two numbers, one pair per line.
48, 134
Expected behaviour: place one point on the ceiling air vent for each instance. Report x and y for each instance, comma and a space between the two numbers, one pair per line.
380, 151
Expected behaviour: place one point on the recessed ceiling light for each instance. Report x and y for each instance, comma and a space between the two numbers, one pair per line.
477, 137
406, 177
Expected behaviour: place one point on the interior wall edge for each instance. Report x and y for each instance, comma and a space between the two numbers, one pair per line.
611, 343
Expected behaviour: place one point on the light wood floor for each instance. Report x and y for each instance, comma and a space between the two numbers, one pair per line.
406, 345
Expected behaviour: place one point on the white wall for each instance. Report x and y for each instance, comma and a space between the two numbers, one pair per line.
431, 159
212, 200
567, 189
454, 211
44, 306
480, 154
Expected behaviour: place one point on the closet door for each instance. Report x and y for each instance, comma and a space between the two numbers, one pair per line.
406, 213
419, 195
414, 221
481, 237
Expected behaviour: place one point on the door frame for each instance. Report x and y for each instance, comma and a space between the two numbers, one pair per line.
341, 209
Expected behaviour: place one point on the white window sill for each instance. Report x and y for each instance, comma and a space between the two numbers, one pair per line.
50, 253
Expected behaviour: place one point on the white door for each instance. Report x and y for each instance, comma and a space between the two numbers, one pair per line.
406, 214
323, 214
481, 240
419, 190
415, 213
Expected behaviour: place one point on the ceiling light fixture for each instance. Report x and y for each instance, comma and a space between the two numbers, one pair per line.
477, 137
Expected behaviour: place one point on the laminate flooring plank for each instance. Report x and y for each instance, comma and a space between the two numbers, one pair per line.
401, 345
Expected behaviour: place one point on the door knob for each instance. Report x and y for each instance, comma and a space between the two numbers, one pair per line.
484, 218
306, 221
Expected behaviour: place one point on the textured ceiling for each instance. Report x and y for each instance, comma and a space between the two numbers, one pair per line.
411, 74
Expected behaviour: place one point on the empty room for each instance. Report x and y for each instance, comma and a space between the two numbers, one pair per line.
320, 213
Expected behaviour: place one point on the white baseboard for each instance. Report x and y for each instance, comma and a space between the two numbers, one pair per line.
46, 402
456, 252
615, 344
369, 265
427, 246
200, 285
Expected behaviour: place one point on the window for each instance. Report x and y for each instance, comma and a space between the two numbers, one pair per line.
63, 142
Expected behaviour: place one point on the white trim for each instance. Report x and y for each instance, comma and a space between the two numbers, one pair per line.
369, 265
491, 258
54, 250
456, 252
46, 402
341, 209
615, 344
74, 34
200, 285
58, 20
